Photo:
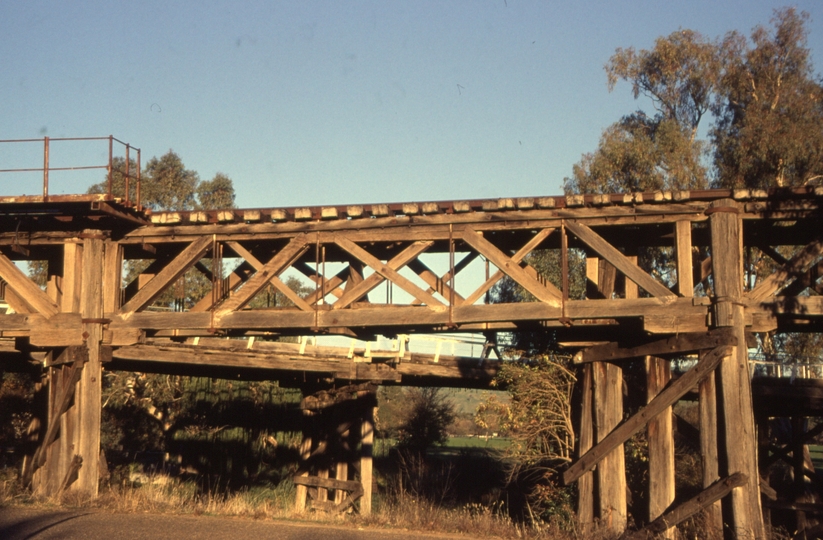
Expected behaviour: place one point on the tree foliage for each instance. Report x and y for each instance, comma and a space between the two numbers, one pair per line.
538, 419
431, 413
762, 98
769, 107
216, 193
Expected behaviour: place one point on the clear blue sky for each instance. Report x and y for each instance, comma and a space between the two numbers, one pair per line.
333, 102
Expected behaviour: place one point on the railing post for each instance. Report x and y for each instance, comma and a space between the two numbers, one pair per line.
137, 202
45, 168
126, 196
111, 165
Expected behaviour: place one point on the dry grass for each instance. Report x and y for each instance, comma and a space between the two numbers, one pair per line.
400, 510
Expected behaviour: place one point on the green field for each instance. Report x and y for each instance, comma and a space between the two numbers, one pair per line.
452, 446
816, 452
497, 443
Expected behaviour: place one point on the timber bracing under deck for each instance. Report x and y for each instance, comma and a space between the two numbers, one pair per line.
424, 268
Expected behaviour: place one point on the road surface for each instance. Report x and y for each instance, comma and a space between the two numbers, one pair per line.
33, 523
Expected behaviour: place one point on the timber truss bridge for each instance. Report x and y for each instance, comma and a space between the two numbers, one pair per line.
415, 268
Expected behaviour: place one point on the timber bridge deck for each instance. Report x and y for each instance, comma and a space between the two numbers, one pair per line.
427, 267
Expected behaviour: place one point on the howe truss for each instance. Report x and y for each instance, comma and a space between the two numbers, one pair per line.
374, 273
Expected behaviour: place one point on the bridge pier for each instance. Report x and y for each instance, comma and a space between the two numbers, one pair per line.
332, 418
738, 446
68, 454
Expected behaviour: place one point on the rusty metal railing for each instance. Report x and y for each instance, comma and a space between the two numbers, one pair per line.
126, 174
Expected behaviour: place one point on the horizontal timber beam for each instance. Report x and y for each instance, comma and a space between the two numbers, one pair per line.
674, 345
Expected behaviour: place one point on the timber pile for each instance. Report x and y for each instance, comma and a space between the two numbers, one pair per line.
330, 447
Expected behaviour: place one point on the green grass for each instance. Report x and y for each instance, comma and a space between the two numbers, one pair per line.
497, 443
816, 452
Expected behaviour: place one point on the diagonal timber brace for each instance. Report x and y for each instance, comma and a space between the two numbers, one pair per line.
521, 254
545, 292
264, 275
684, 511
798, 265
388, 273
71, 375
397, 262
25, 290
619, 261
168, 275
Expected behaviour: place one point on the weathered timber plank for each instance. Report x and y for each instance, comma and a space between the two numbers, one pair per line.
328, 483
708, 496
620, 261
807, 306
112, 272
88, 397
247, 255
436, 283
370, 315
366, 461
683, 250
740, 450
61, 330
387, 272
660, 435
585, 484
339, 368
397, 262
545, 292
238, 276
448, 372
673, 345
611, 469
707, 411
170, 273
27, 291
16, 302
161, 320
66, 393
18, 321
799, 264
283, 259
612, 214
631, 426
295, 298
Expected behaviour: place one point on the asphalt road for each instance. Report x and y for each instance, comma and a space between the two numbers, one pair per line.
24, 523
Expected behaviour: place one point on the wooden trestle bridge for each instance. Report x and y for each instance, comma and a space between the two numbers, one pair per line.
705, 304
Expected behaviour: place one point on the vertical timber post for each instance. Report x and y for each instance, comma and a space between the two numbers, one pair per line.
707, 410
585, 485
799, 466
611, 471
608, 409
739, 445
661, 444
64, 288
366, 453
305, 453
660, 430
89, 389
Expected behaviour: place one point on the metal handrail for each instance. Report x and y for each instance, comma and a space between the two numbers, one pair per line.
126, 173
